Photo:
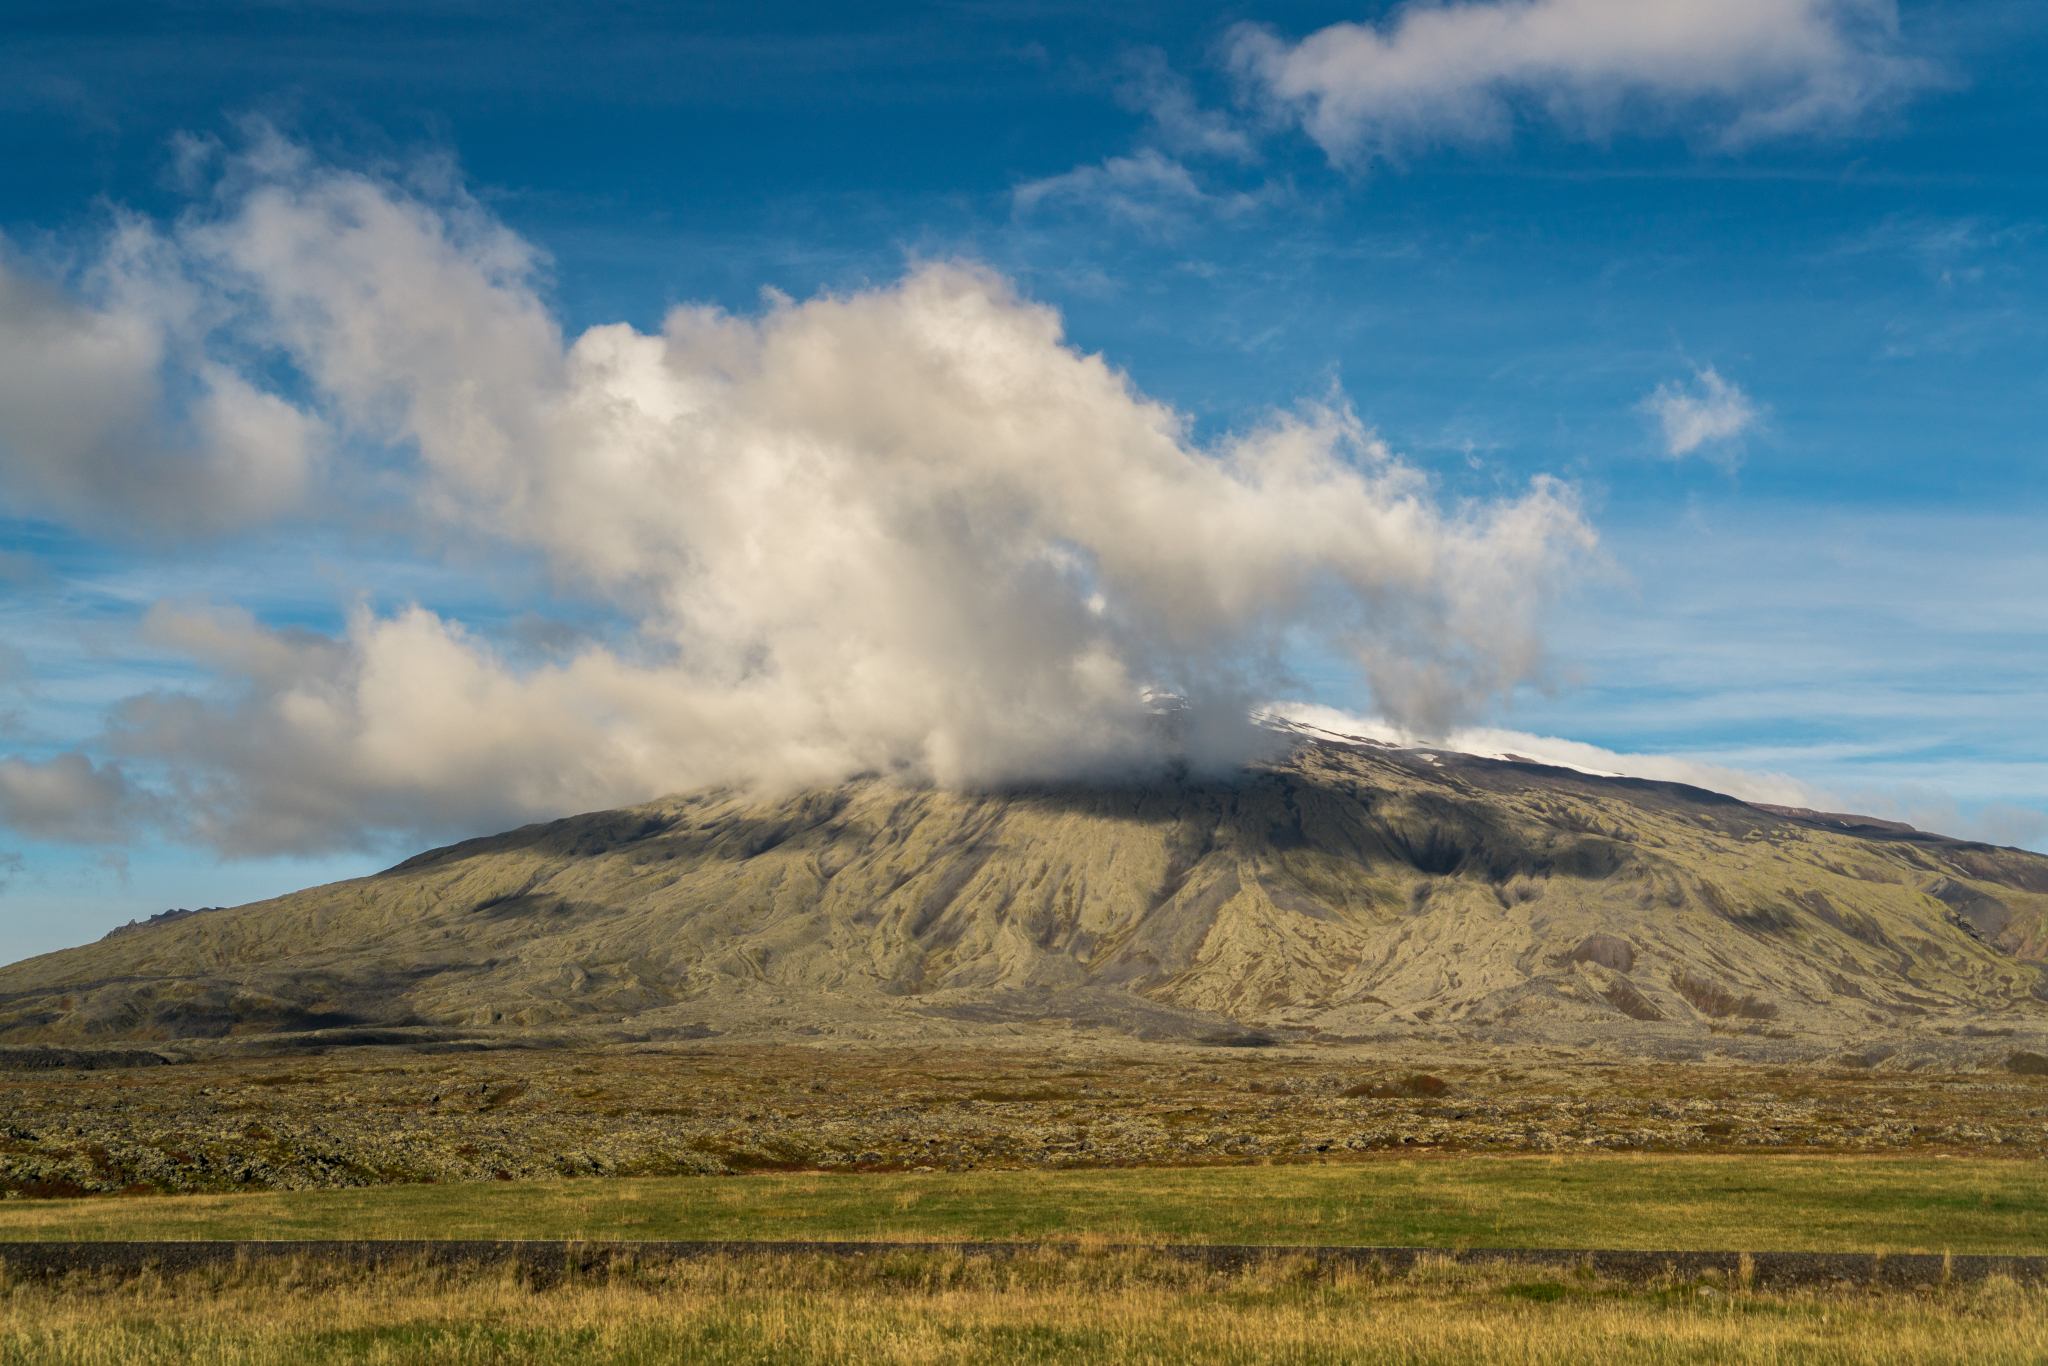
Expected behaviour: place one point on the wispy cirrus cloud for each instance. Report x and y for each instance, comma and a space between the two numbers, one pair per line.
1155, 186
1177, 120
1147, 190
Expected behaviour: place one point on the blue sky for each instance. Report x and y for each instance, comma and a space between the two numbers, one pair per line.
1767, 302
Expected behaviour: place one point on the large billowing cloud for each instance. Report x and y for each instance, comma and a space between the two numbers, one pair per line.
1460, 73
910, 529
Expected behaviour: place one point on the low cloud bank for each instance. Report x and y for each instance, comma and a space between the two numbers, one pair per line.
910, 529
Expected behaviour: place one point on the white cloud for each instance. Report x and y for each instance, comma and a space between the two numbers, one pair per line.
910, 529
1463, 73
1711, 411
69, 798
85, 387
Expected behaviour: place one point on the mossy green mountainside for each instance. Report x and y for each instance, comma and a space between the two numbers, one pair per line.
1345, 892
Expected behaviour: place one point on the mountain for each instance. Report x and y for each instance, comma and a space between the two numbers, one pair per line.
1348, 891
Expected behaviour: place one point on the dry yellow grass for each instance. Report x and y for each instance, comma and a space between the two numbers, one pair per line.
1039, 1308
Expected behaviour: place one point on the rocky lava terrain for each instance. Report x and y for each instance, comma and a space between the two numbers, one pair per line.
377, 1115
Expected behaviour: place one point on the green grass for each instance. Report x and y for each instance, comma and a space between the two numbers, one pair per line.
1694, 1202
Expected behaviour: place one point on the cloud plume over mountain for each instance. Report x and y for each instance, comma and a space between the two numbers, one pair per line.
906, 529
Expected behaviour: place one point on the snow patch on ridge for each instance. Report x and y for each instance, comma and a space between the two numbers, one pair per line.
1485, 742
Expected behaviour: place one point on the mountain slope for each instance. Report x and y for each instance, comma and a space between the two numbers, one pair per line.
1345, 891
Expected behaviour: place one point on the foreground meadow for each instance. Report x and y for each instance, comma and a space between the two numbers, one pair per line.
1078, 1298
1041, 1307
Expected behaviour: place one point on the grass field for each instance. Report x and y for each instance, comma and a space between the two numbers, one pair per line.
1737, 1203
1128, 1309
1095, 1305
